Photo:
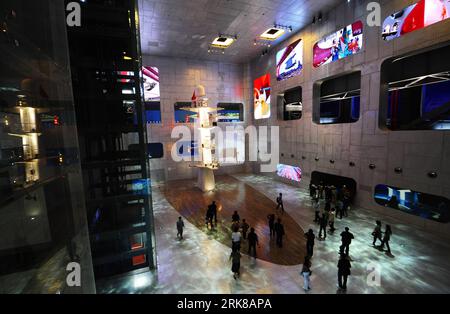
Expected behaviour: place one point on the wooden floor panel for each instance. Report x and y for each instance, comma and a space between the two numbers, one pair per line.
230, 195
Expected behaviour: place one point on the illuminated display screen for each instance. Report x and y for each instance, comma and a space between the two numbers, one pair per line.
414, 17
181, 115
289, 172
141, 186
261, 97
150, 76
290, 60
345, 42
231, 112
424, 205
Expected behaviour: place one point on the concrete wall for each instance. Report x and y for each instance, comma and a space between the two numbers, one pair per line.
224, 82
363, 142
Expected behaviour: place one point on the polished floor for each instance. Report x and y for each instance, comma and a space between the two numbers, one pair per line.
232, 195
420, 262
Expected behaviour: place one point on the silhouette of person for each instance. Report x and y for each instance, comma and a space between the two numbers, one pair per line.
280, 202
235, 217
310, 236
180, 227
343, 271
377, 233
271, 220
387, 238
323, 225
279, 231
346, 239
252, 242
244, 228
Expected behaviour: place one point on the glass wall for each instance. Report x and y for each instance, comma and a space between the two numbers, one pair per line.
42, 214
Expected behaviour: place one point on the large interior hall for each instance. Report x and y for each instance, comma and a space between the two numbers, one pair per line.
225, 147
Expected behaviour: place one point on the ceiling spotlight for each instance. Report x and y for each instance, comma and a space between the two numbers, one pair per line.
290, 29
223, 41
432, 174
351, 164
372, 166
314, 20
319, 18
272, 33
398, 170
316, 159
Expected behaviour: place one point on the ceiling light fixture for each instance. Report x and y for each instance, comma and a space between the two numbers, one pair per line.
223, 41
272, 33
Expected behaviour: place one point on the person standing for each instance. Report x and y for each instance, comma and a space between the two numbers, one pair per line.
252, 242
209, 218
279, 231
331, 216
235, 258
346, 239
316, 209
180, 227
214, 212
387, 238
271, 220
235, 217
339, 210
377, 233
244, 228
236, 240
306, 273
323, 226
343, 271
310, 236
280, 202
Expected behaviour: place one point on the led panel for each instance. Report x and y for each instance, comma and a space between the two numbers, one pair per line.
272, 33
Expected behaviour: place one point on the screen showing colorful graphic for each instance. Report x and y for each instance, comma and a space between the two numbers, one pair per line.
231, 112
414, 17
181, 115
289, 172
424, 205
345, 42
290, 60
150, 76
261, 97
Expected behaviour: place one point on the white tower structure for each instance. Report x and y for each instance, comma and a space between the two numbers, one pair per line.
205, 122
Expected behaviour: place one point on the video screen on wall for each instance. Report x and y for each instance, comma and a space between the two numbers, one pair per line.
414, 17
290, 60
230, 112
150, 77
424, 205
339, 45
261, 97
289, 172
181, 115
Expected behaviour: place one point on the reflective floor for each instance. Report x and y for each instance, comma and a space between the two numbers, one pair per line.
420, 262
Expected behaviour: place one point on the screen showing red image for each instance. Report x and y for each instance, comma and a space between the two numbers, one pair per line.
150, 77
414, 17
290, 60
261, 97
339, 45
289, 172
